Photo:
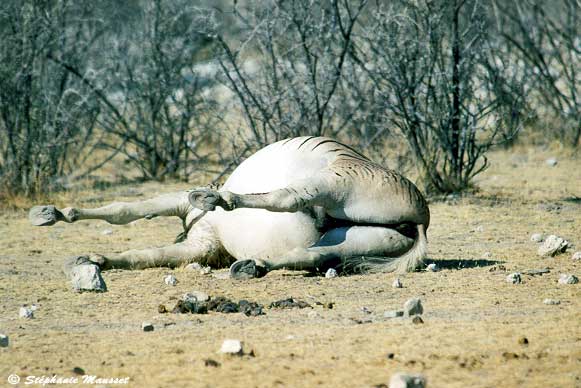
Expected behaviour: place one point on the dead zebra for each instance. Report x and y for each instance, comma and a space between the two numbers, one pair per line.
307, 203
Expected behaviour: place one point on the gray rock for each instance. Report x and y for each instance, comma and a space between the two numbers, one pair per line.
194, 267
26, 312
196, 296
487, 255
232, 347
146, 326
331, 273
551, 162
568, 279
552, 301
537, 237
534, 272
433, 267
576, 256
107, 232
552, 246
514, 278
413, 307
397, 283
4, 341
479, 229
393, 314
206, 271
87, 277
170, 280
402, 380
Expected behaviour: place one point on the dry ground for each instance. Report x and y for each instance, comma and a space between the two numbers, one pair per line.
473, 317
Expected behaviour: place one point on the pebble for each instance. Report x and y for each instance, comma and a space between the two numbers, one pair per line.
514, 278
479, 229
4, 341
393, 314
331, 273
432, 267
568, 279
232, 346
552, 301
487, 255
146, 326
576, 256
402, 380
523, 341
26, 312
196, 296
397, 283
107, 232
87, 277
413, 307
551, 162
537, 237
365, 310
552, 246
194, 267
206, 271
170, 280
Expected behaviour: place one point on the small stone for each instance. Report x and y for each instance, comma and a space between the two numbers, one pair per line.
212, 363
162, 309
551, 301
87, 277
433, 267
146, 326
107, 232
402, 380
537, 237
514, 278
78, 371
194, 267
568, 279
417, 320
331, 273
487, 255
523, 341
479, 229
231, 346
196, 296
552, 246
206, 271
576, 256
170, 280
413, 307
393, 314
551, 162
25, 312
397, 283
365, 310
4, 341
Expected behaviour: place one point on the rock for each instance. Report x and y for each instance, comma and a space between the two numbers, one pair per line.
523, 341
26, 312
170, 280
206, 271
552, 246
289, 303
250, 309
533, 272
401, 380
107, 232
196, 296
551, 301
487, 255
331, 273
537, 237
211, 362
393, 314
568, 279
87, 277
479, 229
576, 256
433, 267
193, 267
4, 341
413, 307
514, 278
551, 162
397, 283
146, 326
232, 347
365, 310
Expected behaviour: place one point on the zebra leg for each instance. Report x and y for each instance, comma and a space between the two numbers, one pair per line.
349, 248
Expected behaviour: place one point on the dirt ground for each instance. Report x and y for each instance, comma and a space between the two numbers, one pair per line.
473, 326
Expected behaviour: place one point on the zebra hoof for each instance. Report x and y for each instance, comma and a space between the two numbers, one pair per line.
247, 269
44, 215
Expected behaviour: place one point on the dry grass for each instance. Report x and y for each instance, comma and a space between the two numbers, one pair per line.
473, 318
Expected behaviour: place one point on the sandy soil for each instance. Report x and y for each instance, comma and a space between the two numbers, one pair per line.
473, 319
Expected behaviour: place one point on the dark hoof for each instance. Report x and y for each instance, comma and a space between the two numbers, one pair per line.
44, 215
246, 269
